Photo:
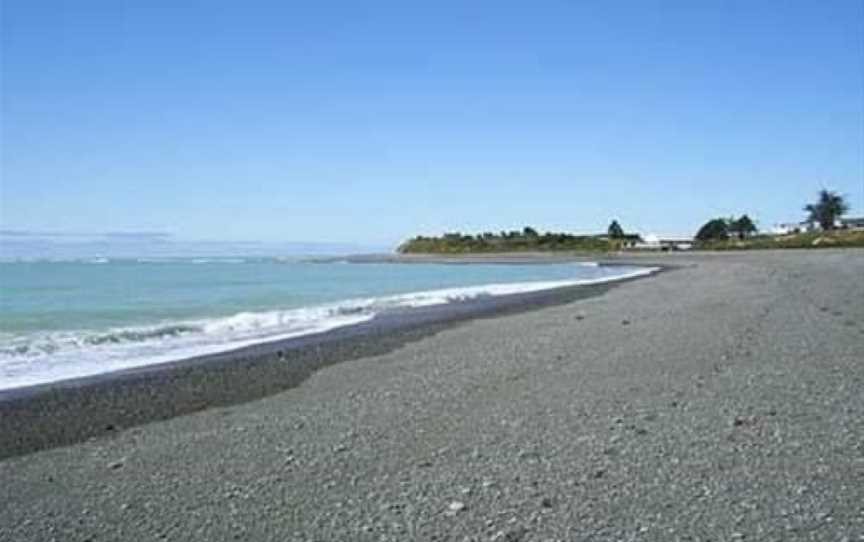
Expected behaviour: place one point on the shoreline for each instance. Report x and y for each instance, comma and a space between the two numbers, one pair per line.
68, 411
60, 348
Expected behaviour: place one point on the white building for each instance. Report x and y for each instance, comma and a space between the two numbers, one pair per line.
786, 228
655, 242
810, 225
852, 223
649, 242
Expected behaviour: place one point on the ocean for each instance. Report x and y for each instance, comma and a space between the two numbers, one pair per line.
67, 319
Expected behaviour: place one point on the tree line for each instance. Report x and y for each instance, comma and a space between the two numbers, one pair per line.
825, 211
527, 239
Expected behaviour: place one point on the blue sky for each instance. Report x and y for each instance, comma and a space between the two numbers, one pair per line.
367, 122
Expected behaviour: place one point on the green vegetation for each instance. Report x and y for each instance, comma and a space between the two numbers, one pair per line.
528, 239
814, 239
717, 234
741, 233
721, 229
827, 210
716, 229
743, 228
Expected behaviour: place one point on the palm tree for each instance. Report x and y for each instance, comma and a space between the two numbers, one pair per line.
828, 209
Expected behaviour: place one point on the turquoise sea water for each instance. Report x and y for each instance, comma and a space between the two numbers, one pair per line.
74, 318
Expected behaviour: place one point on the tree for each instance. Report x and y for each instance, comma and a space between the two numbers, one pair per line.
743, 227
828, 209
615, 230
713, 230
529, 232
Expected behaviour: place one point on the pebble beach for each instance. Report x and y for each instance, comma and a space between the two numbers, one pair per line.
721, 399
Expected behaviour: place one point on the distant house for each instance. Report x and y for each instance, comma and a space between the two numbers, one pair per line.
796, 227
676, 244
648, 242
654, 242
811, 225
786, 228
852, 223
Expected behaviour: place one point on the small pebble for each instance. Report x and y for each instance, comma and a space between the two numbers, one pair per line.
455, 507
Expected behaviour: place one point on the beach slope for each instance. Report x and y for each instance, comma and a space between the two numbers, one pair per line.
722, 400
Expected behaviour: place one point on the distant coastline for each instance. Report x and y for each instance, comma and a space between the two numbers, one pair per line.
526, 240
537, 246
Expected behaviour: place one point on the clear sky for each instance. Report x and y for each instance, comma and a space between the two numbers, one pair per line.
367, 122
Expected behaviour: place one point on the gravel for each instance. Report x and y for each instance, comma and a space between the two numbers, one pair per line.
730, 406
